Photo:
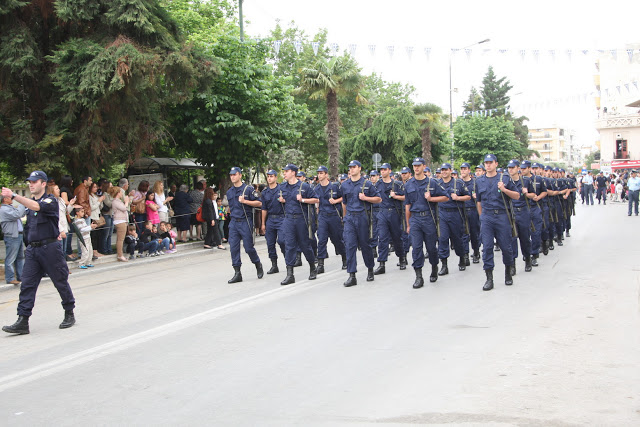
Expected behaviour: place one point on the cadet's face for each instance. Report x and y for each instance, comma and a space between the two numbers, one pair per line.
418, 169
513, 171
37, 187
385, 173
235, 178
464, 172
479, 172
271, 179
405, 176
490, 166
374, 178
445, 173
354, 170
289, 174
322, 176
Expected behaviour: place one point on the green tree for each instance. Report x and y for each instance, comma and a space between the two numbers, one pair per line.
474, 102
327, 80
476, 136
433, 131
494, 92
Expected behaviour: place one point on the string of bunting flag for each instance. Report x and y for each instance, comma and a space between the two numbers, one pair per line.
391, 50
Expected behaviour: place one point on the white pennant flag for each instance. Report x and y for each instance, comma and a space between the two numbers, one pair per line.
409, 51
618, 87
635, 83
503, 51
585, 52
372, 49
315, 46
522, 53
297, 45
486, 51
427, 52
391, 49
552, 52
614, 53
352, 49
276, 46
536, 53
630, 53
626, 85
335, 48
468, 52
569, 53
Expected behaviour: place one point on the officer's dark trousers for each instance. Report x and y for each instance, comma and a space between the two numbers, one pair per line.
633, 201
536, 236
602, 194
423, 231
329, 227
389, 230
274, 233
494, 224
240, 230
559, 226
547, 231
373, 242
451, 227
47, 259
296, 235
474, 231
523, 225
356, 233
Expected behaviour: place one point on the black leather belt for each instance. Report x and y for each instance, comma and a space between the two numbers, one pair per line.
328, 213
275, 216
356, 213
470, 208
449, 209
239, 219
293, 216
40, 243
422, 213
494, 211
518, 209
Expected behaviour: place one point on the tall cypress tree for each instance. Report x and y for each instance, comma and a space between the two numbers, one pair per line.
494, 92
84, 83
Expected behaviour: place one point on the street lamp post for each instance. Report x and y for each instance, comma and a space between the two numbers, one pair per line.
451, 96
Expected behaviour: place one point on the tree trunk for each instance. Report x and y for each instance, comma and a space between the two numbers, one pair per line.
333, 144
426, 146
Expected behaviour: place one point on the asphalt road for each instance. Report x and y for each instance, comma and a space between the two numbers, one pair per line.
171, 343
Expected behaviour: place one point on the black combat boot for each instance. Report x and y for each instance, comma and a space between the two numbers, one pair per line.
403, 263
375, 252
69, 320
237, 277
290, 278
508, 280
313, 271
370, 275
466, 260
527, 264
534, 260
320, 268
344, 261
419, 280
568, 234
513, 267
259, 270
559, 241
545, 248
445, 269
462, 264
488, 285
476, 257
274, 266
298, 262
551, 247
21, 327
351, 281
380, 269
434, 273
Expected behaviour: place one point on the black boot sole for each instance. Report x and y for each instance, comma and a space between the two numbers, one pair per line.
15, 331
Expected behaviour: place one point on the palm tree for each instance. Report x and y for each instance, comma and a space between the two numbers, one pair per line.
339, 76
432, 127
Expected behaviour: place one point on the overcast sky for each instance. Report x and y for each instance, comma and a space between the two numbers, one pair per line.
543, 25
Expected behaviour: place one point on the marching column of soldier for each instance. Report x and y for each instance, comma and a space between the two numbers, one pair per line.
525, 209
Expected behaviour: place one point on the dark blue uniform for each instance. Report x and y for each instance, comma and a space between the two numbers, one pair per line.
44, 255
451, 218
570, 184
494, 221
390, 219
423, 223
296, 222
274, 231
537, 213
241, 223
329, 219
547, 213
473, 218
522, 213
558, 184
357, 222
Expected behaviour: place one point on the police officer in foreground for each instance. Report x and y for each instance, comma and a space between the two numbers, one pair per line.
242, 199
540, 192
422, 193
357, 193
495, 222
471, 212
44, 253
272, 219
329, 218
297, 196
522, 215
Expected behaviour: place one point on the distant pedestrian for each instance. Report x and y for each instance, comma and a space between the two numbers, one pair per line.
634, 191
11, 219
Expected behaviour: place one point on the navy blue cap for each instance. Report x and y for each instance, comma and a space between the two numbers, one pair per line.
562, 170
535, 165
272, 172
554, 169
438, 170
373, 172
353, 163
36, 175
234, 170
290, 167
343, 176
446, 166
453, 171
465, 165
405, 170
499, 170
513, 164
427, 169
322, 169
300, 173
525, 164
385, 166
490, 158
418, 161
548, 168
480, 167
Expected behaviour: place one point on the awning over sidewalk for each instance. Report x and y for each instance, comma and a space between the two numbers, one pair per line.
625, 164
148, 164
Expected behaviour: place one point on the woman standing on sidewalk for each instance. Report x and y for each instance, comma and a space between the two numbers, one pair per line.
119, 209
209, 214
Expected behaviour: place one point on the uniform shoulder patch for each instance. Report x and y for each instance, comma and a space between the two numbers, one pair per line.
47, 200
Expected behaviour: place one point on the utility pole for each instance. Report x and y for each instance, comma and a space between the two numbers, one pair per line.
241, 21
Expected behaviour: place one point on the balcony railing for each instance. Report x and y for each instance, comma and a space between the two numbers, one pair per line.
620, 156
613, 121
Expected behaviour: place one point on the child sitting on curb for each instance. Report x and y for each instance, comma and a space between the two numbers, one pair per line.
131, 242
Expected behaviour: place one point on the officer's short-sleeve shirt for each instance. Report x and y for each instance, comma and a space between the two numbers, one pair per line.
471, 187
521, 183
539, 184
453, 186
489, 196
290, 194
43, 224
351, 194
270, 202
239, 210
414, 194
385, 188
330, 191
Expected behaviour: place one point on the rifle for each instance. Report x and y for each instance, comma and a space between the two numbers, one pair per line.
253, 233
514, 230
306, 221
463, 214
334, 206
435, 220
370, 212
526, 199
398, 211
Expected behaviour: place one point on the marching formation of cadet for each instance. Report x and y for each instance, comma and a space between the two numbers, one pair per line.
526, 206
